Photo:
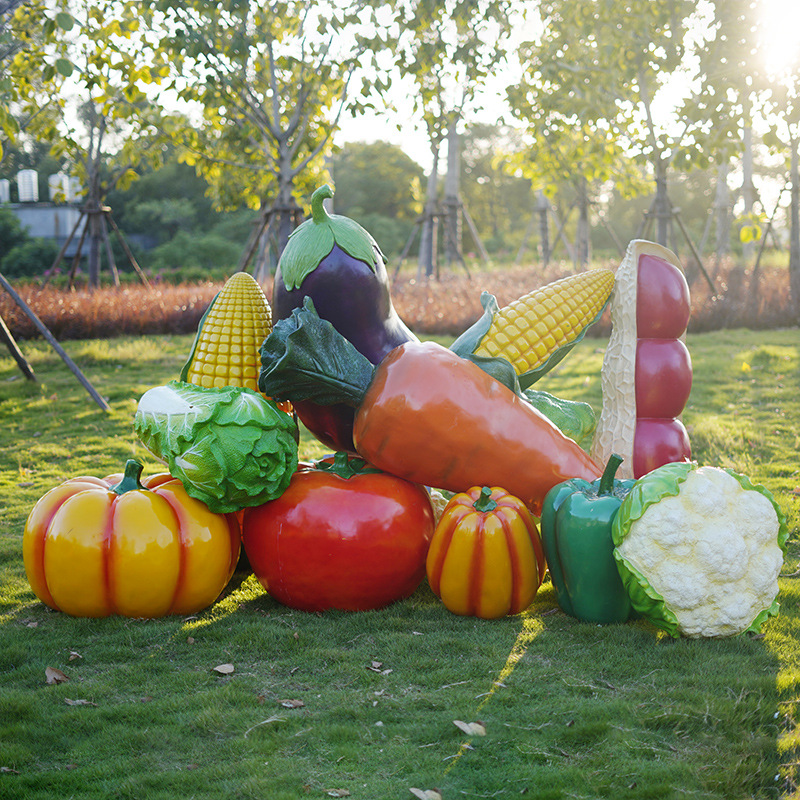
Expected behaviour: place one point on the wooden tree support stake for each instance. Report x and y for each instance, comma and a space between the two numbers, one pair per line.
22, 362
44, 330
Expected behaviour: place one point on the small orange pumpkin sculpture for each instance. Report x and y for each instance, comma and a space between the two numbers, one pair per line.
99, 546
486, 557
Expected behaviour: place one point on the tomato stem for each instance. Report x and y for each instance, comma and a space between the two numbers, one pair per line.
345, 466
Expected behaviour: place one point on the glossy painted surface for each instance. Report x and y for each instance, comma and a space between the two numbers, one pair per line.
486, 563
663, 377
577, 523
657, 442
662, 299
663, 373
357, 302
437, 419
145, 553
346, 543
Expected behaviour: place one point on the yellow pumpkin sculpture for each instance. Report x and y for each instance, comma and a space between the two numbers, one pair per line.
99, 546
486, 557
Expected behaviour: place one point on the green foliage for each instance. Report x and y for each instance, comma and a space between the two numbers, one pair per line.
12, 233
187, 249
591, 87
448, 48
28, 258
272, 83
377, 179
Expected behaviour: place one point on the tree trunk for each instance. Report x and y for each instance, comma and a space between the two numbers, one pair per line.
452, 202
794, 231
722, 214
583, 245
426, 243
748, 190
542, 209
663, 208
95, 232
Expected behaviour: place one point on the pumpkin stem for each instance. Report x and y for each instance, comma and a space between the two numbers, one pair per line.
130, 480
485, 503
607, 478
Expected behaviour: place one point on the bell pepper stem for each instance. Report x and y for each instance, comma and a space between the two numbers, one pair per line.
485, 503
130, 480
607, 478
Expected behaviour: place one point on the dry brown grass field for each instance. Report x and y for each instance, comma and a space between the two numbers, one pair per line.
443, 306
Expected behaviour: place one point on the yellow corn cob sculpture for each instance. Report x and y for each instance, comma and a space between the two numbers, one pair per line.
226, 348
531, 329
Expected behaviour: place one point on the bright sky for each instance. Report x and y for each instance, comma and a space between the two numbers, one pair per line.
781, 26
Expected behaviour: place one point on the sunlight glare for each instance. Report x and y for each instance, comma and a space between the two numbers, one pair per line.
780, 42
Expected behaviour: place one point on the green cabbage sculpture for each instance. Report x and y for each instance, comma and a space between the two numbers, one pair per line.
229, 447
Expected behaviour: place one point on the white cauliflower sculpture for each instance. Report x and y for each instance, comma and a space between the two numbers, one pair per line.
699, 550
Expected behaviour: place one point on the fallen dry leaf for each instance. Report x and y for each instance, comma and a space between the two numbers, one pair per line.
426, 794
471, 728
190, 640
337, 793
225, 669
79, 702
54, 675
74, 655
292, 703
9, 771
32, 625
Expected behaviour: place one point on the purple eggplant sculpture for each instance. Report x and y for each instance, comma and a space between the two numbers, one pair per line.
335, 262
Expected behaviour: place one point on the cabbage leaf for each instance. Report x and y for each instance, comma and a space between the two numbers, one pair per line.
230, 447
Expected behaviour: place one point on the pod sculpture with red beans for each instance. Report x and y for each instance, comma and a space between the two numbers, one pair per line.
344, 536
647, 369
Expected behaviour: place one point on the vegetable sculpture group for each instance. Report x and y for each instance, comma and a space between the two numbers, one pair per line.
696, 551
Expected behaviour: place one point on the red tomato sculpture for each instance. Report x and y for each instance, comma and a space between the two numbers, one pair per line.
343, 535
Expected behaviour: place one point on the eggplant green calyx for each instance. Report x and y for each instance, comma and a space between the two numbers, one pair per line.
485, 503
306, 358
130, 480
346, 466
315, 239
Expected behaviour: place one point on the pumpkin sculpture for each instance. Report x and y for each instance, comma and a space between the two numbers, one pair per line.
99, 546
486, 557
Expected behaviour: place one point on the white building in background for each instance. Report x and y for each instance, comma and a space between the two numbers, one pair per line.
52, 220
28, 186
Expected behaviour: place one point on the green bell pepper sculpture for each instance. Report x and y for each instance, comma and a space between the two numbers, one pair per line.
576, 524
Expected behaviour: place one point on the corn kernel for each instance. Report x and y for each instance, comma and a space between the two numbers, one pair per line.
531, 328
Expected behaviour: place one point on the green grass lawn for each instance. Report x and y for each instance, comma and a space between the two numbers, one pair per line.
571, 710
